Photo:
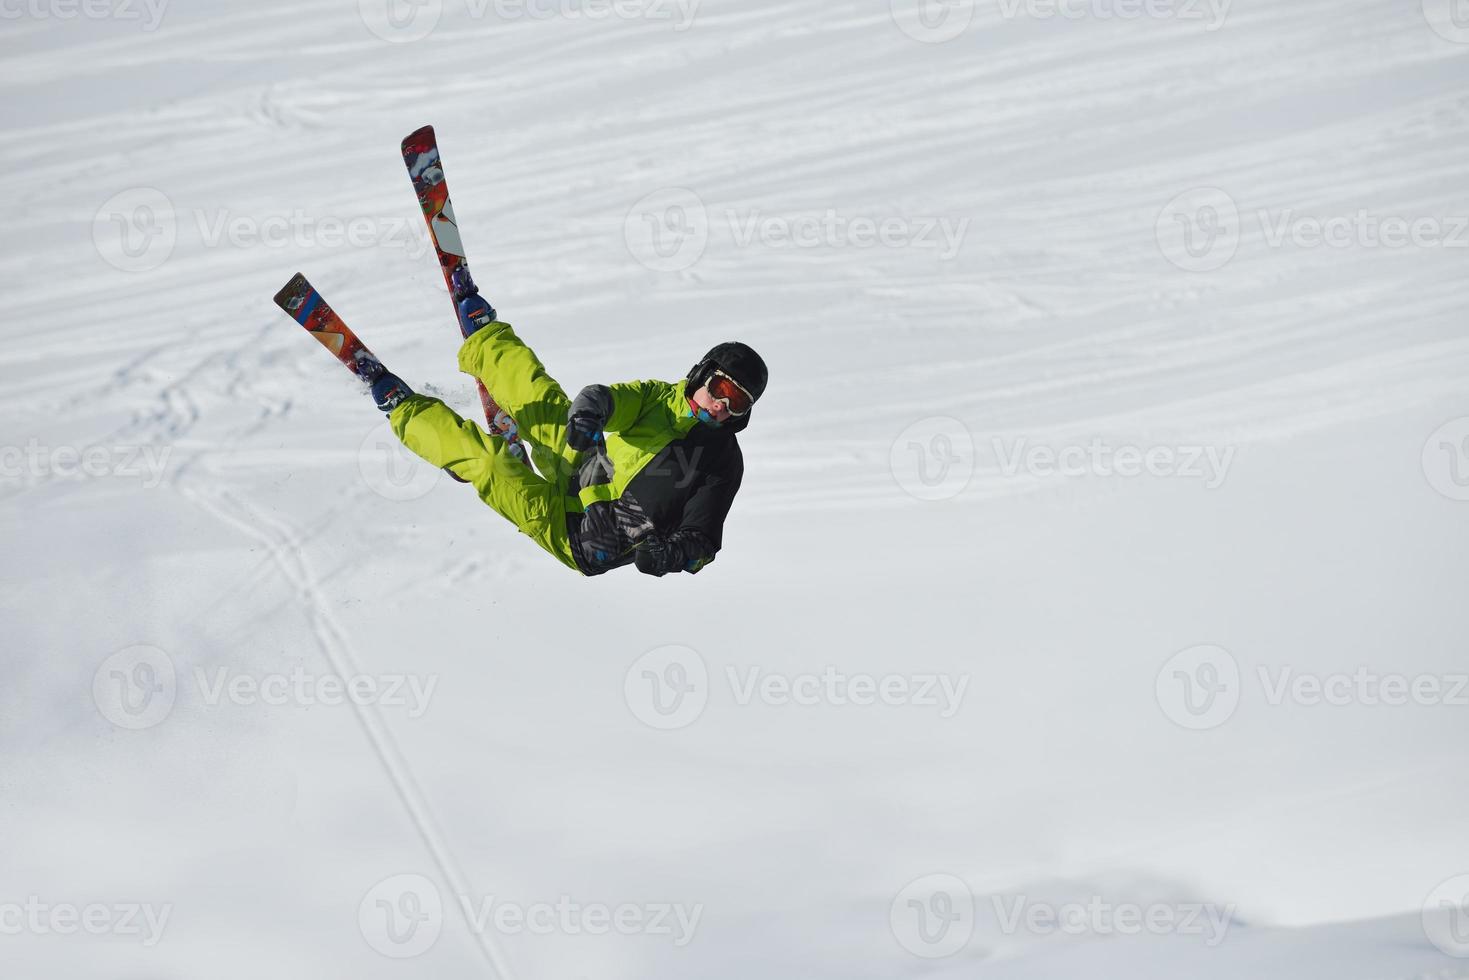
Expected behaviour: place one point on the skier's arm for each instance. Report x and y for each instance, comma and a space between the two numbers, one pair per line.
700, 534
604, 408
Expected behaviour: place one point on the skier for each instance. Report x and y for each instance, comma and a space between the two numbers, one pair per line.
641, 472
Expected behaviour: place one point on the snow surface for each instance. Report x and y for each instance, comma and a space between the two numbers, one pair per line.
277, 534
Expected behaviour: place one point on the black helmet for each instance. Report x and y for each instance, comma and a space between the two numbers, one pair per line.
735, 359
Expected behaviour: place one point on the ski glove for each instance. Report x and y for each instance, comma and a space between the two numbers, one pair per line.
686, 550
587, 417
653, 556
584, 431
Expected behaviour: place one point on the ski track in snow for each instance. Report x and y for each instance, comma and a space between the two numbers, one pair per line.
1058, 321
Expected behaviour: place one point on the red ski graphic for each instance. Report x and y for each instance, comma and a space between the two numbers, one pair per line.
421, 157
306, 307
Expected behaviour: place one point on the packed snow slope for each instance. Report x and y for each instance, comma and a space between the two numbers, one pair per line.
1100, 553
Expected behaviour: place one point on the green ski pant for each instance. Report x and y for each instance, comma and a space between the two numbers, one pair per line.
520, 385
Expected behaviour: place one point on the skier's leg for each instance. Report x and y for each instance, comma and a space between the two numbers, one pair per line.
519, 383
434, 432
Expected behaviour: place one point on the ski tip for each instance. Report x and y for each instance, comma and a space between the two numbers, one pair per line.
419, 137
289, 296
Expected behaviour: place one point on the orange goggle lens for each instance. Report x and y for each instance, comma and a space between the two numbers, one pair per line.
724, 387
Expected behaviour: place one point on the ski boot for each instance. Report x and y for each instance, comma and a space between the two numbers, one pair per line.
388, 390
474, 310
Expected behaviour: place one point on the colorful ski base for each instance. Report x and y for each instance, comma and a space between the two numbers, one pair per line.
421, 157
305, 305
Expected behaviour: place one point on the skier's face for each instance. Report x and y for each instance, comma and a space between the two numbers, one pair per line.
722, 397
717, 408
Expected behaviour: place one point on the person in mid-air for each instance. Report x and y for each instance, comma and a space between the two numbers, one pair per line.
642, 472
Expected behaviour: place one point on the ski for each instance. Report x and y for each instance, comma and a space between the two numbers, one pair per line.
421, 157
304, 305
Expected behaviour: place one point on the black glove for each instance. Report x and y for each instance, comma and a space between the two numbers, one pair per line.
653, 556
584, 430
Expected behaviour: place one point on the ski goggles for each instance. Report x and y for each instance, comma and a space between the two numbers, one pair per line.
726, 389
